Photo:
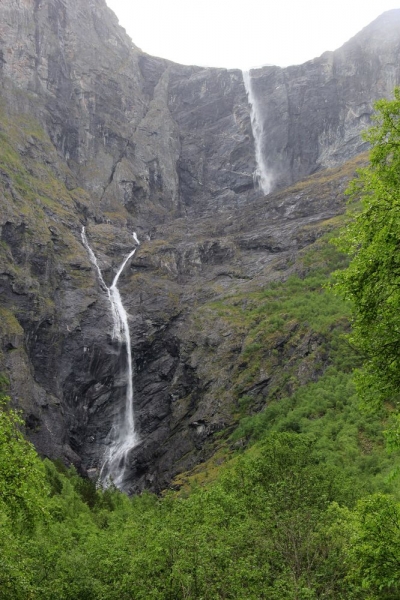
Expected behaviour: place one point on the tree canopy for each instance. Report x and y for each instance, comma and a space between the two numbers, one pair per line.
372, 238
23, 487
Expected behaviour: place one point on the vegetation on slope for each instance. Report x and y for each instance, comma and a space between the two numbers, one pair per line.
290, 515
372, 240
304, 509
281, 522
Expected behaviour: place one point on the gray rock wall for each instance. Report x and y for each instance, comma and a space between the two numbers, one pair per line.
313, 114
136, 131
95, 132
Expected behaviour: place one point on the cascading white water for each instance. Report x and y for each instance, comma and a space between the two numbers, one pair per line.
122, 437
262, 178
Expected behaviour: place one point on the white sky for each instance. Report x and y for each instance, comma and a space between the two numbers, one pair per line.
246, 33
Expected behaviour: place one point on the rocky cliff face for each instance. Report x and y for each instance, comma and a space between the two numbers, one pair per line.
96, 133
137, 132
312, 114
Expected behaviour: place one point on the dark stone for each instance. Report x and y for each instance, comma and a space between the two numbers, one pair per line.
102, 135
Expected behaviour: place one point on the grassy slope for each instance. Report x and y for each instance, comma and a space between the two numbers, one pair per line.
295, 339
289, 334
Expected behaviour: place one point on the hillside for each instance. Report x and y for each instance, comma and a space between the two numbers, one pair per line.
97, 134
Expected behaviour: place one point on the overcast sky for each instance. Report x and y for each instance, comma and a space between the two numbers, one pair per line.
246, 33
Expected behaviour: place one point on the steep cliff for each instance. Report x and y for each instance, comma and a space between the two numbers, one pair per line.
142, 135
96, 133
312, 114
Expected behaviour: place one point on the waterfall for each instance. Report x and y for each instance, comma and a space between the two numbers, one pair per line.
262, 178
122, 436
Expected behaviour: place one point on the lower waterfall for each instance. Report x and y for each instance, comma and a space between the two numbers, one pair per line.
122, 437
262, 178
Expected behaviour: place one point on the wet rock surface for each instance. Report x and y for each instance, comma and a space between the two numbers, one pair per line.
313, 114
94, 132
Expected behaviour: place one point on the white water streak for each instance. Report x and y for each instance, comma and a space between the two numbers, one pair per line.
122, 437
262, 177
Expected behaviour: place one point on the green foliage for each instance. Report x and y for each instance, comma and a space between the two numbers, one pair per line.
279, 523
372, 280
23, 487
374, 552
23, 501
264, 531
329, 411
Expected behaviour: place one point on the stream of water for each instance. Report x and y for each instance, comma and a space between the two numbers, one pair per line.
122, 437
261, 176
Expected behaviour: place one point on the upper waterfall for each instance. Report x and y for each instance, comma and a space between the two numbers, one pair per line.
262, 178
